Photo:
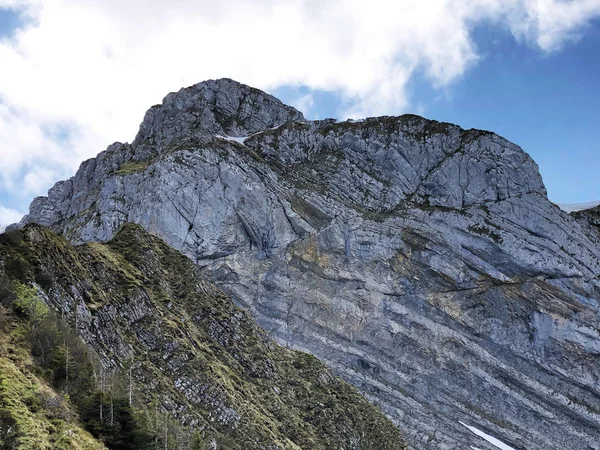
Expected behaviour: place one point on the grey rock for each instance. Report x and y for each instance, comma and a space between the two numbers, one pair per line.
589, 219
422, 262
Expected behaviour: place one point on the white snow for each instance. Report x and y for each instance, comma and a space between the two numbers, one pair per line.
492, 440
571, 207
239, 140
261, 132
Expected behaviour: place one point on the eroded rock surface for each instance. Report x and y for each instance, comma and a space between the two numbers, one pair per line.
422, 262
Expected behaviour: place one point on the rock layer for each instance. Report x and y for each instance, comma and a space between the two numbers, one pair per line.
422, 262
189, 353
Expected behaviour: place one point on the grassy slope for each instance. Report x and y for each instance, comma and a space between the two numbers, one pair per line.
32, 415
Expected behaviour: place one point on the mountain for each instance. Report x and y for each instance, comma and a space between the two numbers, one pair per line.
192, 362
575, 207
420, 261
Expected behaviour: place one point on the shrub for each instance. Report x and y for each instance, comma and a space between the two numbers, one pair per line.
43, 279
27, 304
17, 268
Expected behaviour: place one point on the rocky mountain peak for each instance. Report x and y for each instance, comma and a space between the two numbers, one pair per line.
214, 107
399, 159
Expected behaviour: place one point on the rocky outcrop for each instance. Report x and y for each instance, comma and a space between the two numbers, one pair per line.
187, 350
589, 219
422, 262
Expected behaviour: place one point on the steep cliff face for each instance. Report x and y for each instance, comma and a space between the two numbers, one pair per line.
193, 355
422, 262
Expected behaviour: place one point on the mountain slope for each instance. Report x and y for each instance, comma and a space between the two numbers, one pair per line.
422, 262
193, 354
32, 415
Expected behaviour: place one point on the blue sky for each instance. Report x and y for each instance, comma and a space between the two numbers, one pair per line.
526, 70
9, 21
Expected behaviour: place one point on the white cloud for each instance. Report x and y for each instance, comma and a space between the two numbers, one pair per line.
93, 67
8, 216
551, 23
304, 103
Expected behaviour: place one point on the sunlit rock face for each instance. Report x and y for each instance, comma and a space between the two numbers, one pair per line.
422, 262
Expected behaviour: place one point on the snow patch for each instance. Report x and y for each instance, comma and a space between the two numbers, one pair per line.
572, 207
242, 139
492, 440
239, 140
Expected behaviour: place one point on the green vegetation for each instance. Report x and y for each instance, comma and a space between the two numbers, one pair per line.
33, 415
50, 389
130, 167
181, 364
485, 231
27, 304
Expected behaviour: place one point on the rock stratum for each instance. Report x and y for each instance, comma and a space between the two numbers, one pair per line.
194, 363
420, 261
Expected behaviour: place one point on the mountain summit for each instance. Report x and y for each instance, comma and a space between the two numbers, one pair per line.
422, 262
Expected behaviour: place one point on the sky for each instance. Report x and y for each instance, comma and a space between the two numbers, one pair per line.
77, 75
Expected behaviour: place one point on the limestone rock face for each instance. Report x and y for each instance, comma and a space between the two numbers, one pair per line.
422, 262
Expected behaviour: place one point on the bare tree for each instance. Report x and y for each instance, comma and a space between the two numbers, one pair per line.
166, 432
67, 366
101, 393
130, 385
